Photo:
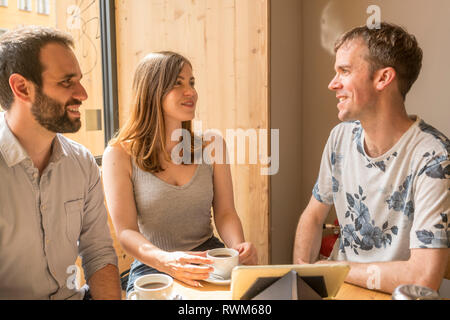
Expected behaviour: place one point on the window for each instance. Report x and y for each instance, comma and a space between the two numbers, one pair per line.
43, 7
24, 5
91, 24
3, 3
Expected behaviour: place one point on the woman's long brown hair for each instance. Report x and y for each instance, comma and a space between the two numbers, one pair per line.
143, 135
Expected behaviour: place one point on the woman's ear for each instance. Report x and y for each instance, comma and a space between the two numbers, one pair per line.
384, 77
22, 88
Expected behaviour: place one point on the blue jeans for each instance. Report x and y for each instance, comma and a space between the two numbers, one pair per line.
140, 269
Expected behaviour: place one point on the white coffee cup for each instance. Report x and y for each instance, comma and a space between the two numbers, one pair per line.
224, 260
152, 287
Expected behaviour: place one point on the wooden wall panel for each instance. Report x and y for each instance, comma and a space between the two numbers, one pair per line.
227, 43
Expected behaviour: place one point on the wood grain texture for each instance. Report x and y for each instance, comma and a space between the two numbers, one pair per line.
210, 291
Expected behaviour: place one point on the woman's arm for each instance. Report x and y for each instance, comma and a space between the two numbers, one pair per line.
119, 195
226, 219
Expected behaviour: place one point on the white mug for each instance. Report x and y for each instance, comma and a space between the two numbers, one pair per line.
152, 287
224, 260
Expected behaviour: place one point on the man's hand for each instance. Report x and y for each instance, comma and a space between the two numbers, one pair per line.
425, 267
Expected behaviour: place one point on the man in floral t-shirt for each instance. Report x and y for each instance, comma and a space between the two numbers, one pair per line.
387, 173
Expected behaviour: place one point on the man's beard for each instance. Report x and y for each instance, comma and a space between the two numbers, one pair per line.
53, 115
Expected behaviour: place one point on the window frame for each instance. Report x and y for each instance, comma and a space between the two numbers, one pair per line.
109, 71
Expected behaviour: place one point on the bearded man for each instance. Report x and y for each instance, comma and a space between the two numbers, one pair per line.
51, 198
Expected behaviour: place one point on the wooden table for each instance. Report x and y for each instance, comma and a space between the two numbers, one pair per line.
216, 292
352, 292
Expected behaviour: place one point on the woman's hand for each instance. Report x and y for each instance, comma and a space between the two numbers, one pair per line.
247, 253
186, 266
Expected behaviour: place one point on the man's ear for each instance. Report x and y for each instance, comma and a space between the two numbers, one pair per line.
22, 88
384, 77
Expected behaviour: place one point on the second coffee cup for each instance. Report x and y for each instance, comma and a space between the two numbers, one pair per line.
224, 260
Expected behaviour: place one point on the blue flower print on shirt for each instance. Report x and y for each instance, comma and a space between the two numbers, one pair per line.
336, 163
434, 168
428, 237
436, 134
357, 132
316, 192
335, 184
397, 200
371, 235
327, 199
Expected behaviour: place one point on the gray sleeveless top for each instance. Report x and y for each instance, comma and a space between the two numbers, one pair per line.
174, 218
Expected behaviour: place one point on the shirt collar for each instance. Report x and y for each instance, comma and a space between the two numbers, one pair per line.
58, 149
10, 148
13, 152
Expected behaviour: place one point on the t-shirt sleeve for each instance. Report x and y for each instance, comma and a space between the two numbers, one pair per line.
432, 206
323, 189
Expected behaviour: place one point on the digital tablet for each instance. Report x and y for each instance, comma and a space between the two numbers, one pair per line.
244, 277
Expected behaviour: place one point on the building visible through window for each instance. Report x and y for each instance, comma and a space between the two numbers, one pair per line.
43, 6
82, 20
24, 5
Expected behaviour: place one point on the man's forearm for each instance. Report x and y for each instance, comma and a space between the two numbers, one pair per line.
105, 284
386, 276
422, 270
308, 239
382, 276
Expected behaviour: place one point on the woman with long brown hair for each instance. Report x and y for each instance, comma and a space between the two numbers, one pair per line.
160, 208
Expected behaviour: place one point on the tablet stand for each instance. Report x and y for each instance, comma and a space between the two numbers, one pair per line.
291, 286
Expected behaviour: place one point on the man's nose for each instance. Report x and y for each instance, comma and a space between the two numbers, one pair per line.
80, 93
335, 84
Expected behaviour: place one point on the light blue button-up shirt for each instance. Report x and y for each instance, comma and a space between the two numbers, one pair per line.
47, 221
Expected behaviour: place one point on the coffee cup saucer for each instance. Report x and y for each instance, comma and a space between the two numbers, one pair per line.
175, 296
221, 282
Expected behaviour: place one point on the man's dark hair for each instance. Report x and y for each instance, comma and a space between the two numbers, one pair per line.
20, 53
389, 46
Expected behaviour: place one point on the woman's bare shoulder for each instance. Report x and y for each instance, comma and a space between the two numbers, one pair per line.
116, 154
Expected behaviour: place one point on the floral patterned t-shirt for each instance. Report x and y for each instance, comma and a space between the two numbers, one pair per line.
389, 204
